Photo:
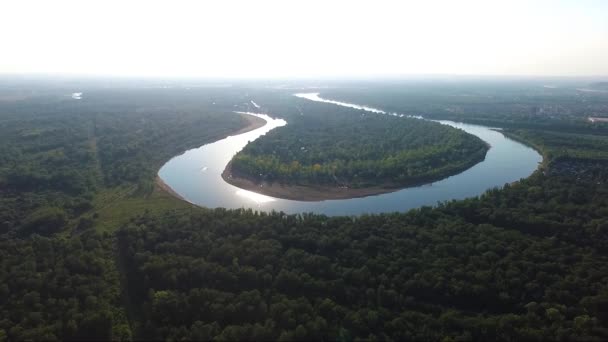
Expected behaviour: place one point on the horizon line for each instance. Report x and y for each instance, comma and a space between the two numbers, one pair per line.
404, 76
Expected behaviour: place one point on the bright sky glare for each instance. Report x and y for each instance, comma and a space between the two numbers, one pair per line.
281, 38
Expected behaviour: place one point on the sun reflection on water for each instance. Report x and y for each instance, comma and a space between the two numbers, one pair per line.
255, 197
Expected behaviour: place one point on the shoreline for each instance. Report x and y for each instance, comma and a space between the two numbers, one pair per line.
164, 187
300, 192
312, 193
253, 122
315, 193
320, 193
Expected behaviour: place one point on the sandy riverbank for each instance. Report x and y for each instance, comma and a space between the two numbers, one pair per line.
253, 122
320, 193
304, 193
163, 186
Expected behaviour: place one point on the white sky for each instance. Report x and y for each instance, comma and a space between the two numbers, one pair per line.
304, 38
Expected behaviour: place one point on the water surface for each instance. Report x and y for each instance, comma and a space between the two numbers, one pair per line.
196, 174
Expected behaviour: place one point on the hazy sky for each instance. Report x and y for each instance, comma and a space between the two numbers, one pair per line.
304, 38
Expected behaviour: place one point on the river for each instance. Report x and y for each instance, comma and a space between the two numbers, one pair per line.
196, 174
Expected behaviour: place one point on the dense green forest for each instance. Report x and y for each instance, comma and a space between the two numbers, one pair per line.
61, 288
91, 249
346, 147
56, 154
472, 269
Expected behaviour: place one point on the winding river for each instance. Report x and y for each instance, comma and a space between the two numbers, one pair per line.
196, 174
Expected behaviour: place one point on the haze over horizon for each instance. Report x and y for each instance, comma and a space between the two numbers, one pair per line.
278, 39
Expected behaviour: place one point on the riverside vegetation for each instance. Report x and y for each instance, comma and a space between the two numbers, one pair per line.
353, 148
91, 249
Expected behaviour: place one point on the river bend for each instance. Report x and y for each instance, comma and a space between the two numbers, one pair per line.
196, 174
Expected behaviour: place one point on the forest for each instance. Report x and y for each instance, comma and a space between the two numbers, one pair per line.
466, 270
92, 249
353, 148
501, 103
56, 154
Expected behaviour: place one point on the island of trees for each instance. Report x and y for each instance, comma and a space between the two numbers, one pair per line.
331, 153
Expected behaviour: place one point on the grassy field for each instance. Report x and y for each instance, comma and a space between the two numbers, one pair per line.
114, 207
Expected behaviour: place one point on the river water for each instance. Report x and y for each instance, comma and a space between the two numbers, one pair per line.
196, 174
